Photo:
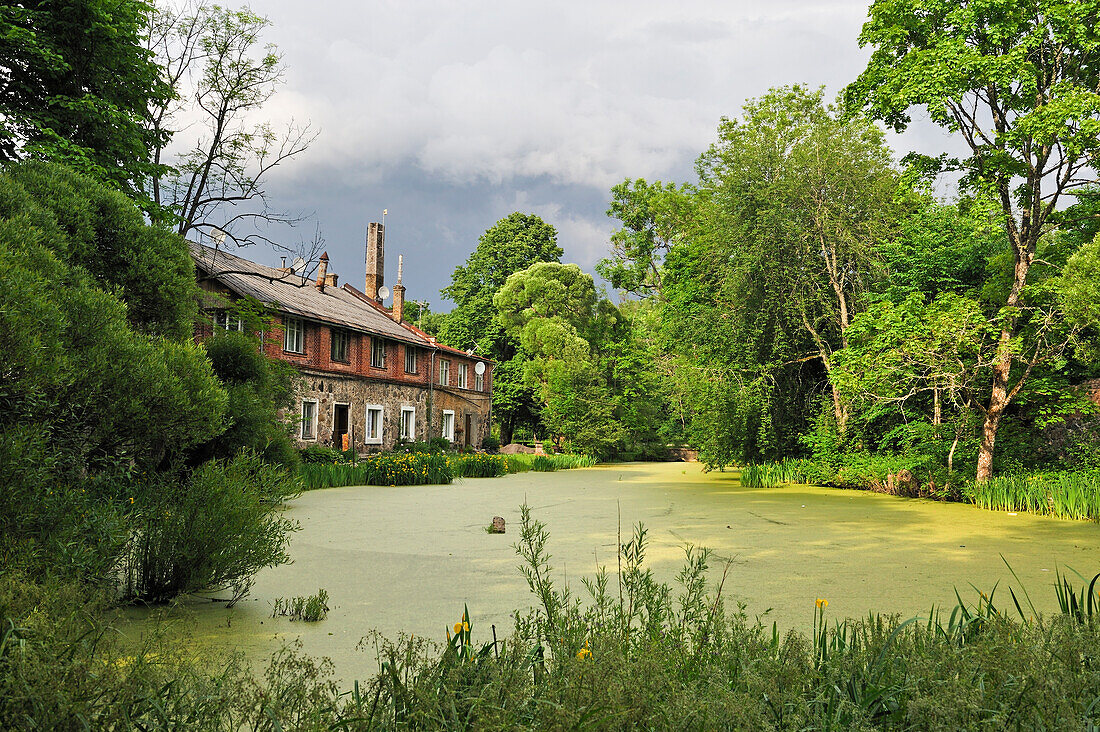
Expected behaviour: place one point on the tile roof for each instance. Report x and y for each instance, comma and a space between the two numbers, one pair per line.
298, 296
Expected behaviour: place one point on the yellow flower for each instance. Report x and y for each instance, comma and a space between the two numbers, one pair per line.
584, 653
459, 627
822, 602
131, 500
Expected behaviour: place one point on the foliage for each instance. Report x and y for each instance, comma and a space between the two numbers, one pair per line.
309, 609
215, 529
480, 466
77, 86
258, 387
509, 246
1017, 84
319, 454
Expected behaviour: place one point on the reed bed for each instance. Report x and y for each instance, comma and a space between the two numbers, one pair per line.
770, 475
386, 469
1063, 494
420, 468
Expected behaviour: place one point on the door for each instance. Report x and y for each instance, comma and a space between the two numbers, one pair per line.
467, 435
340, 426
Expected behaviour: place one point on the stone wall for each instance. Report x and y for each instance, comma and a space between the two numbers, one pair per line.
329, 390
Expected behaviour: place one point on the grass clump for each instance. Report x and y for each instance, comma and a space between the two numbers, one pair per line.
310, 609
479, 465
396, 468
1064, 494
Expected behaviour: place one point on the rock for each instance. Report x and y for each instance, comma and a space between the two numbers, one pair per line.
515, 449
497, 527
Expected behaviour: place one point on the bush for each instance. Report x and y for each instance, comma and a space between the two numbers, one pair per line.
490, 443
212, 530
319, 454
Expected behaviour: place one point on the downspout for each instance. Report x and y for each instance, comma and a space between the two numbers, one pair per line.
431, 387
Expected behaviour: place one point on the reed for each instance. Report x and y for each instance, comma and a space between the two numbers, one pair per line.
386, 469
1063, 494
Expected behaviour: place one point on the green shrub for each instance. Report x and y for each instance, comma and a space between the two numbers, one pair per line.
490, 443
319, 454
212, 530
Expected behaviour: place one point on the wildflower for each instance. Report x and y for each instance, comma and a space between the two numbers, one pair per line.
584, 653
131, 500
462, 626
822, 602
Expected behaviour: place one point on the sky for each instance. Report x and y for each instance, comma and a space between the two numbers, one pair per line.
451, 115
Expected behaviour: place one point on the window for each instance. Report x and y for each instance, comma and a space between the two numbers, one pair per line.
293, 329
374, 424
408, 423
462, 370
444, 372
479, 381
225, 320
340, 341
377, 353
309, 420
410, 360
449, 424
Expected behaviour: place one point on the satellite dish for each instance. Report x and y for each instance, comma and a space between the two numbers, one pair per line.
218, 236
383, 292
298, 265
479, 368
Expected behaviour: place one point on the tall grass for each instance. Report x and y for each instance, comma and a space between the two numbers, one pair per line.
386, 469
421, 468
770, 475
1064, 494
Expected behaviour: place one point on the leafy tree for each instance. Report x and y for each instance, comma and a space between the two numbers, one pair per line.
76, 84
652, 216
1017, 83
509, 246
549, 308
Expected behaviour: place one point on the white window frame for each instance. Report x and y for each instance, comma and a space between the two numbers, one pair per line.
378, 346
302, 414
479, 382
223, 319
410, 355
448, 433
410, 435
294, 334
444, 372
463, 375
374, 439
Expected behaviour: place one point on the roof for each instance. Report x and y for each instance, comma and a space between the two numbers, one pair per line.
298, 296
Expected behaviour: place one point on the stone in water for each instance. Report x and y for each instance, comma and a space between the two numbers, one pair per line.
497, 526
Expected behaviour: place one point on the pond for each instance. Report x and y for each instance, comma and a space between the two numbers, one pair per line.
406, 559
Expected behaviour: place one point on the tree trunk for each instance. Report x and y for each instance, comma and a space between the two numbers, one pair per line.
506, 427
998, 400
840, 412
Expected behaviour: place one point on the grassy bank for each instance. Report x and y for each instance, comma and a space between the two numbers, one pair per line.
424, 468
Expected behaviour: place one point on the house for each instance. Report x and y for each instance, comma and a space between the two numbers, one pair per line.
370, 380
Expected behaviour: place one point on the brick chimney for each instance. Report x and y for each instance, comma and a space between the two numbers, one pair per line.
330, 279
376, 247
322, 270
399, 292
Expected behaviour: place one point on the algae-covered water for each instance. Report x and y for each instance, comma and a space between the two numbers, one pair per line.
406, 559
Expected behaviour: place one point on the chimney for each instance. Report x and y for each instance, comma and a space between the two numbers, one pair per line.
376, 247
330, 279
399, 292
322, 270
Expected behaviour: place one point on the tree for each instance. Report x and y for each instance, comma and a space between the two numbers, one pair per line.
1018, 84
653, 216
512, 244
217, 68
76, 84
